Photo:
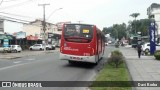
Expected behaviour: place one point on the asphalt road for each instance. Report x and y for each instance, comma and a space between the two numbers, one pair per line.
48, 67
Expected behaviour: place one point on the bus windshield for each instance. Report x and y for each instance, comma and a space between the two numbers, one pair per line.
78, 33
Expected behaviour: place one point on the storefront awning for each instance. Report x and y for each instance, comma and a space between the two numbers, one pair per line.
3, 36
32, 38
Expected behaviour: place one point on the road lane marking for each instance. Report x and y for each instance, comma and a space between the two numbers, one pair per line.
17, 62
13, 66
31, 59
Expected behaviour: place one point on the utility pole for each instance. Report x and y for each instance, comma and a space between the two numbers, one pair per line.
44, 25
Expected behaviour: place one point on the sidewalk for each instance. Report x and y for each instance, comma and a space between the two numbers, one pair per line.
24, 53
145, 68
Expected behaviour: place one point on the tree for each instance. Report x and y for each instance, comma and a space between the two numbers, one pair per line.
142, 26
120, 30
116, 31
135, 15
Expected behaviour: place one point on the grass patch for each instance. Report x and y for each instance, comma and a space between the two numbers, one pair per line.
109, 73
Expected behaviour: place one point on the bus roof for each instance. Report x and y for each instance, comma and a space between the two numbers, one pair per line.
79, 24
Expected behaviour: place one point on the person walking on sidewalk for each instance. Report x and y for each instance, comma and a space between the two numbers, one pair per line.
139, 50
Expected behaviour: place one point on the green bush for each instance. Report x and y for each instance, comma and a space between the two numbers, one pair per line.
116, 58
157, 55
147, 52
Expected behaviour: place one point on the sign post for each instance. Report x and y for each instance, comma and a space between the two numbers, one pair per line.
139, 37
5, 42
152, 37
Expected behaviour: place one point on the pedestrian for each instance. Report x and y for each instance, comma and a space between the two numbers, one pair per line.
139, 50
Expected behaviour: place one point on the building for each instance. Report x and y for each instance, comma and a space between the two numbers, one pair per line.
10, 26
153, 12
35, 29
58, 31
7, 27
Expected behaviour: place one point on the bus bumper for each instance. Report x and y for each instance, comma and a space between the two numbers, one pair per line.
90, 59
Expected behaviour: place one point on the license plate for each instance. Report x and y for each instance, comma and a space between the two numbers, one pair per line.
75, 58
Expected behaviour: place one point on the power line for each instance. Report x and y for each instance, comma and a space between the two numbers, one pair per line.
16, 15
10, 0
5, 17
16, 5
53, 12
18, 20
1, 2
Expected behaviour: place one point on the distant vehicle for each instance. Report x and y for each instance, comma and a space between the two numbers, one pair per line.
1, 49
15, 48
5, 49
146, 47
57, 44
50, 47
106, 43
53, 47
109, 42
82, 43
37, 47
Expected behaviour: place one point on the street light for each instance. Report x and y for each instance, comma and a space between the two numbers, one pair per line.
54, 12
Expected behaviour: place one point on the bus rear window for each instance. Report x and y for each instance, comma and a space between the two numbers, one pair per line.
78, 33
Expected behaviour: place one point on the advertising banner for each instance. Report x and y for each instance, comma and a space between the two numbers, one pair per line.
20, 35
152, 37
5, 42
32, 38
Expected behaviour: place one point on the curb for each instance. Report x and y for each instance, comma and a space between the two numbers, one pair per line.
130, 77
26, 55
10, 57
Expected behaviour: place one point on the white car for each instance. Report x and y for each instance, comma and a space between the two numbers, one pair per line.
106, 44
49, 47
109, 42
15, 48
37, 47
146, 47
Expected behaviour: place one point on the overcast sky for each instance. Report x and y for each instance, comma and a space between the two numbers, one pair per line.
103, 13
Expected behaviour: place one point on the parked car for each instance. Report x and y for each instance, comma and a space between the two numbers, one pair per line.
48, 47
146, 47
109, 42
15, 48
106, 43
1, 49
57, 44
37, 47
5, 49
53, 47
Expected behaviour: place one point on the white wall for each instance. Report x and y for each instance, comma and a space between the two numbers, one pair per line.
32, 30
12, 27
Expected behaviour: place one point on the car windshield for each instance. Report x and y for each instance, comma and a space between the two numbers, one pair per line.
37, 45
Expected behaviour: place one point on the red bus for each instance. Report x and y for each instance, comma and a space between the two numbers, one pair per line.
81, 43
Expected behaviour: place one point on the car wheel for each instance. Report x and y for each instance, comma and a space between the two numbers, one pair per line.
147, 50
53, 48
30, 49
40, 48
15, 51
